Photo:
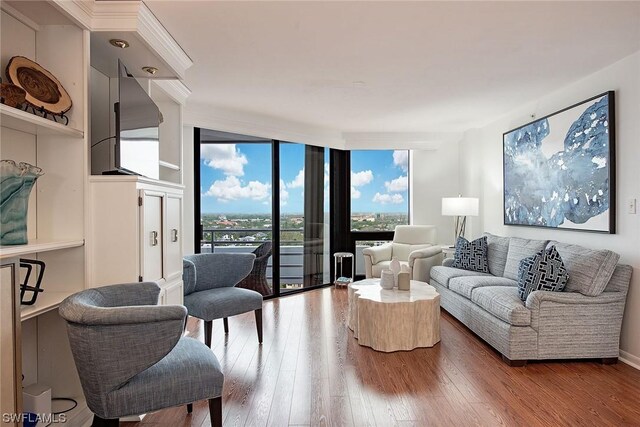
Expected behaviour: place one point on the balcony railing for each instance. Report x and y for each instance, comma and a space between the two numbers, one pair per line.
226, 240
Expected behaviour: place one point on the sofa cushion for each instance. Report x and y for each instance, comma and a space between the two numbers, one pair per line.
504, 303
465, 285
497, 249
376, 269
443, 274
471, 255
544, 271
518, 250
589, 270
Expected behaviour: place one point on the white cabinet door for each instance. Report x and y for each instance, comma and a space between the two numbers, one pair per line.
173, 294
173, 258
9, 350
151, 239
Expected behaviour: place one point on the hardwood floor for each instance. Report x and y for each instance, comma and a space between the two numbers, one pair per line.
311, 371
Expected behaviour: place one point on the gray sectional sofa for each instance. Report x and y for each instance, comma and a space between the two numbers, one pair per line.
583, 321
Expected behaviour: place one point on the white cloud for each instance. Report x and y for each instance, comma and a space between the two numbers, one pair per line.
358, 179
298, 181
225, 157
355, 194
388, 198
284, 194
397, 185
232, 189
401, 159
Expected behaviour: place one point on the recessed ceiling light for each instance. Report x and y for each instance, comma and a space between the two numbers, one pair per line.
122, 44
150, 70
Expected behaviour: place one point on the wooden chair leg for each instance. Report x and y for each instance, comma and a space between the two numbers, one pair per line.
258, 314
101, 422
208, 327
215, 411
225, 321
189, 408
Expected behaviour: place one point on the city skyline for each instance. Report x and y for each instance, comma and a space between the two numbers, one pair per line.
236, 179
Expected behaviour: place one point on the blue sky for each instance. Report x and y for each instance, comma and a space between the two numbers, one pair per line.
236, 178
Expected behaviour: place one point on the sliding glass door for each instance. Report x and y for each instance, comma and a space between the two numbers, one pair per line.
304, 216
241, 210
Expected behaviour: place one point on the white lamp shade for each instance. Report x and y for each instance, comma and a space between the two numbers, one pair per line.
460, 206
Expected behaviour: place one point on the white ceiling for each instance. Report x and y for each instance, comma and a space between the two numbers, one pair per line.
391, 66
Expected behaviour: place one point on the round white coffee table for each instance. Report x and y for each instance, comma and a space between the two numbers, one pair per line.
392, 320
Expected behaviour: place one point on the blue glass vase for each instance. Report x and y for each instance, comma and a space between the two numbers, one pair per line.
16, 182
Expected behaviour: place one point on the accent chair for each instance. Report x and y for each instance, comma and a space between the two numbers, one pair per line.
413, 245
131, 356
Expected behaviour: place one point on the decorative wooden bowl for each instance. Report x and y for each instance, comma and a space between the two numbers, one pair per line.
12, 95
43, 90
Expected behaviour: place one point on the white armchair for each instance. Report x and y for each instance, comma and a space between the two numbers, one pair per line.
413, 245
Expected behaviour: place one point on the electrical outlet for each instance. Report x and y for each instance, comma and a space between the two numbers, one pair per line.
631, 206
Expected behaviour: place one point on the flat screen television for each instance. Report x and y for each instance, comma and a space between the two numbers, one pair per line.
137, 128
135, 147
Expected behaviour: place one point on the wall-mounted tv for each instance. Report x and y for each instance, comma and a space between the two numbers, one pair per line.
136, 150
137, 128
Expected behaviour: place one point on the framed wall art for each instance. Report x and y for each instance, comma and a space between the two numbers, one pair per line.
559, 171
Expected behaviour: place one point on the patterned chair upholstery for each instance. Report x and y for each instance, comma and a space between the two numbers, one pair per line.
131, 356
210, 290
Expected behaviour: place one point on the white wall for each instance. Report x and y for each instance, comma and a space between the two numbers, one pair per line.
434, 175
189, 193
481, 176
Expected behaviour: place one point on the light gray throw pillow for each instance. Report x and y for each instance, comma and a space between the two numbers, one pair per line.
518, 250
498, 248
589, 270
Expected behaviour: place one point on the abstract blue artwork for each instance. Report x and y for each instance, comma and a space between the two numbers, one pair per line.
559, 171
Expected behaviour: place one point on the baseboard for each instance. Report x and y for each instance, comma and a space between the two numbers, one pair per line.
630, 359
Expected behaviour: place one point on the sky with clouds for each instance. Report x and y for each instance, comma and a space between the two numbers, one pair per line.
236, 178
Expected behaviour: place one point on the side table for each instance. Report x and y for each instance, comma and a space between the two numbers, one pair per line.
338, 258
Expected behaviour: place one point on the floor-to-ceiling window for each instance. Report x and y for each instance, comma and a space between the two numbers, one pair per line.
241, 210
236, 200
379, 197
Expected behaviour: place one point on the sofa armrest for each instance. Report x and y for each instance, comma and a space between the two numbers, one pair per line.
424, 253
558, 314
378, 253
536, 298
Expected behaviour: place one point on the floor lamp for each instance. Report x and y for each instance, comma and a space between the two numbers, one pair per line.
460, 208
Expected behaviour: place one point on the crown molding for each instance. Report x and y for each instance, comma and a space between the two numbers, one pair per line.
175, 89
129, 16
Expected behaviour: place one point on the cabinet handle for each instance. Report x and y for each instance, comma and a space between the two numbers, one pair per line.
174, 234
154, 238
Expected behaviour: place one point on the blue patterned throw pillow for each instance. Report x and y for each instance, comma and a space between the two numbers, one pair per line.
543, 271
471, 255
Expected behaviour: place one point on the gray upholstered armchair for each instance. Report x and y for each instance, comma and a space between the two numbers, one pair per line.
210, 292
131, 356
413, 245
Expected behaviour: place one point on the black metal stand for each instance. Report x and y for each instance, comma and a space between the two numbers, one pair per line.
45, 114
25, 287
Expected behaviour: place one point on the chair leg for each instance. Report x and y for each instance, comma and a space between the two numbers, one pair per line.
189, 408
101, 422
208, 326
258, 314
215, 411
225, 321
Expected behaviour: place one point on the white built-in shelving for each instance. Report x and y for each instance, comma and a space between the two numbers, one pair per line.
23, 121
38, 246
